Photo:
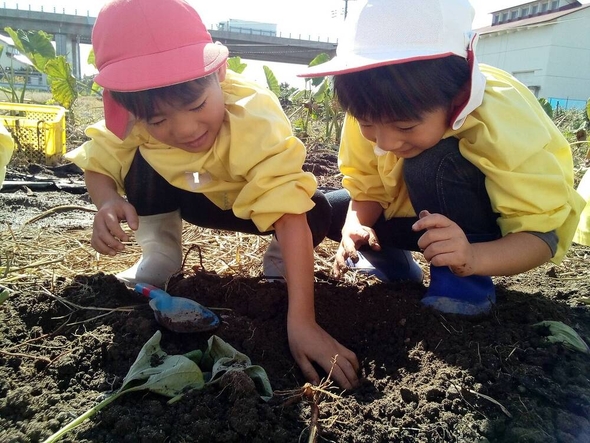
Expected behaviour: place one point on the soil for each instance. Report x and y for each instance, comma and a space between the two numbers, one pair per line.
426, 377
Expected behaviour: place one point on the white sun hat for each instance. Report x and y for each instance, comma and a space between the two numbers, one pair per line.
387, 32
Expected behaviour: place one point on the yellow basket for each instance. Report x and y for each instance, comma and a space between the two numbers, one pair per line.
39, 131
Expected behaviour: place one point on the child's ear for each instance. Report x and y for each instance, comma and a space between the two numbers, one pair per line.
221, 72
461, 98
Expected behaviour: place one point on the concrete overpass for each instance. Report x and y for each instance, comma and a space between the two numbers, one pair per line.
70, 30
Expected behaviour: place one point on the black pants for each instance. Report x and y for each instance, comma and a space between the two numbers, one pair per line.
151, 194
439, 180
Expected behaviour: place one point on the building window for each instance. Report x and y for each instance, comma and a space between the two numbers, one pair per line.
535, 9
524, 12
496, 19
513, 15
535, 90
504, 17
555, 5
544, 7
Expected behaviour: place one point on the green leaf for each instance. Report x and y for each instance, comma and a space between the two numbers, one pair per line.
91, 60
4, 294
164, 374
562, 333
35, 45
236, 65
318, 60
225, 358
61, 81
271, 81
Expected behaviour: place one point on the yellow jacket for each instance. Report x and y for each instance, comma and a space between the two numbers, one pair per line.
509, 137
6, 149
254, 168
583, 232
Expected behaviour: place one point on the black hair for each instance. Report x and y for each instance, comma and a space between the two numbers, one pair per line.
402, 92
144, 104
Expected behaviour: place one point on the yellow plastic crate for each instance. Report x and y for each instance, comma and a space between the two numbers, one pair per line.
39, 131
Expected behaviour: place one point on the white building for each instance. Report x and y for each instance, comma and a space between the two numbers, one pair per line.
13, 62
546, 45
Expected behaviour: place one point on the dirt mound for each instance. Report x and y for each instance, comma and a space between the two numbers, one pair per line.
426, 377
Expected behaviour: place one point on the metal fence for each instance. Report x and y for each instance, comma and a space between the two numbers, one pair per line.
566, 103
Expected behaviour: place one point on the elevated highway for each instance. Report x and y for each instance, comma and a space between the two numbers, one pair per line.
71, 30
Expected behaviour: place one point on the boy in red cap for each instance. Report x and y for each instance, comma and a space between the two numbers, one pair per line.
184, 138
444, 156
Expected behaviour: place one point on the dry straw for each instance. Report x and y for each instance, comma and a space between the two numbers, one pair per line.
33, 254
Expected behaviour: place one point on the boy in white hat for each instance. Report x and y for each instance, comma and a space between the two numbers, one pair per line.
184, 138
443, 155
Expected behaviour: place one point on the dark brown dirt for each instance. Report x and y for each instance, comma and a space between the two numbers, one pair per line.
425, 377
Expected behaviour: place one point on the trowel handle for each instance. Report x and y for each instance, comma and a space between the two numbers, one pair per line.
150, 291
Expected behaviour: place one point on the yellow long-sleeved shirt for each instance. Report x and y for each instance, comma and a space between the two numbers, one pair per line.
254, 167
6, 149
526, 160
582, 235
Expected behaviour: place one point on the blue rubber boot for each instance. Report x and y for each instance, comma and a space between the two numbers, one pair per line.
452, 294
388, 265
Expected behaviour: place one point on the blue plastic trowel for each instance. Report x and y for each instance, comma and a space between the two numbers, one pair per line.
178, 314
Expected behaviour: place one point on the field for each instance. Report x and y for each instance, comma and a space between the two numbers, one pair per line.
69, 332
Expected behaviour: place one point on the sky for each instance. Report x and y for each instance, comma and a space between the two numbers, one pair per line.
314, 19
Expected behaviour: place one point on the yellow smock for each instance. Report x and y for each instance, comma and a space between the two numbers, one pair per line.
254, 167
526, 160
582, 235
6, 149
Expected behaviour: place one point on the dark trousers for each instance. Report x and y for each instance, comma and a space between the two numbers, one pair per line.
151, 194
439, 180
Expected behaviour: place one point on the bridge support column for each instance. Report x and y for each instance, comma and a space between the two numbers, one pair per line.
69, 46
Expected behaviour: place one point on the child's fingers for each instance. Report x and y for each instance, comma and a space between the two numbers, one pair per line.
430, 221
131, 217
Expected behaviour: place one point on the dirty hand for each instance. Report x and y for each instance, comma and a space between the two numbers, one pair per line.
310, 343
444, 243
353, 237
107, 234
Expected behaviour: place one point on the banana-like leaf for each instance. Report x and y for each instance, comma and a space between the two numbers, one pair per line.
35, 45
318, 60
61, 81
271, 81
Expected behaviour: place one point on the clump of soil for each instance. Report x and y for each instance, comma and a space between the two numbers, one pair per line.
426, 377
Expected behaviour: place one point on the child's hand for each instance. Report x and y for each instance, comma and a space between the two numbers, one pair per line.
107, 234
353, 237
309, 344
445, 243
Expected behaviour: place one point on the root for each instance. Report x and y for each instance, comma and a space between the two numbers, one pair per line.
314, 396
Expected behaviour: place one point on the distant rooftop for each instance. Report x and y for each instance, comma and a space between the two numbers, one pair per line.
530, 20
529, 10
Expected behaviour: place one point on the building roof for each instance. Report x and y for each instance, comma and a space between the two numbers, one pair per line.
570, 3
532, 21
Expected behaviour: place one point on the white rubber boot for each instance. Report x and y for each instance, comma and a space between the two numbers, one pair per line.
273, 267
160, 238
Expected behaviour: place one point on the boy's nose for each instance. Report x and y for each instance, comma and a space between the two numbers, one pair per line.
184, 128
389, 143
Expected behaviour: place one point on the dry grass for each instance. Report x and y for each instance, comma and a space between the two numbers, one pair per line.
30, 255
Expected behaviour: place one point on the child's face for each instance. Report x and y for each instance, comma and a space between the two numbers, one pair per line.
407, 139
192, 127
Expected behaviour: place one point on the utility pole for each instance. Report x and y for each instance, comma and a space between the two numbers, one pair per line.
346, 8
